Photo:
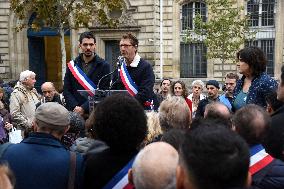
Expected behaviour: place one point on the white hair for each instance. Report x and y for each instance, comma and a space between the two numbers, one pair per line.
26, 74
198, 82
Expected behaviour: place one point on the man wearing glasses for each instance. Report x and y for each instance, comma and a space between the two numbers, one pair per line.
135, 74
84, 73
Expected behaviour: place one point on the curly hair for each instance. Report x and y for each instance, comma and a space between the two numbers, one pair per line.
154, 128
184, 88
255, 58
120, 122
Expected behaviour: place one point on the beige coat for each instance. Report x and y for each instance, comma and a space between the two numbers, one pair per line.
23, 105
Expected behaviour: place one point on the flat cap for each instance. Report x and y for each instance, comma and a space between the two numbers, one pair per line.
53, 113
214, 83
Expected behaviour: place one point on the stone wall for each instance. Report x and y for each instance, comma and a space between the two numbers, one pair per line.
4, 40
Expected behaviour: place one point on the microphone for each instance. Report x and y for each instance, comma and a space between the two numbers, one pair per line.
119, 63
121, 60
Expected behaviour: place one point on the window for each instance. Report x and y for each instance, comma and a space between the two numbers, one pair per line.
261, 12
188, 13
268, 47
193, 60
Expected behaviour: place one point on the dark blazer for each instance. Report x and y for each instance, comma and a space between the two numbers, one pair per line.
41, 161
71, 86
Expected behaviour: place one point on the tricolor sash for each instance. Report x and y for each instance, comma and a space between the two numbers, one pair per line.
129, 84
82, 78
127, 81
258, 159
120, 180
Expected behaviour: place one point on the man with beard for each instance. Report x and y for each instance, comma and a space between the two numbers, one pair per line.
212, 95
135, 74
84, 73
165, 89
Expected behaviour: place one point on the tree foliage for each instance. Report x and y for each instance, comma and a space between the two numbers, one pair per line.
224, 32
61, 15
70, 13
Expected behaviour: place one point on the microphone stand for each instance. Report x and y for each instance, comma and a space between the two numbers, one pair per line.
119, 63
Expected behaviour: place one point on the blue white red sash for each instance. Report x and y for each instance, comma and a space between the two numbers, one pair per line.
120, 180
127, 81
82, 78
258, 159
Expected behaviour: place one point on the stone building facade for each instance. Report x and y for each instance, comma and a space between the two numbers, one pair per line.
142, 17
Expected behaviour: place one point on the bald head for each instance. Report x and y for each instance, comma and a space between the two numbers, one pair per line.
155, 167
217, 110
48, 91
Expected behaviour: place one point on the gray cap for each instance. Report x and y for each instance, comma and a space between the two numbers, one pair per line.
53, 113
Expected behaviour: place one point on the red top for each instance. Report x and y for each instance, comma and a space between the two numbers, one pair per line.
189, 103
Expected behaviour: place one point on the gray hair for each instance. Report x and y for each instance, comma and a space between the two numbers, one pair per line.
174, 113
198, 82
26, 74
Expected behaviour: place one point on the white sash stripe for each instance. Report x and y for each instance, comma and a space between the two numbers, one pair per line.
127, 81
257, 157
82, 78
122, 183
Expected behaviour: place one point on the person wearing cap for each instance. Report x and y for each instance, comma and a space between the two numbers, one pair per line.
41, 160
212, 95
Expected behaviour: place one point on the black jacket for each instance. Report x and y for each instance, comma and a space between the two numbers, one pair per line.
71, 86
274, 143
102, 164
270, 177
144, 78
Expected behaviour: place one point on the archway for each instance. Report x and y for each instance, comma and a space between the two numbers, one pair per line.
45, 55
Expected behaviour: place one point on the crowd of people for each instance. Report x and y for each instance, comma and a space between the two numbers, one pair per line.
228, 137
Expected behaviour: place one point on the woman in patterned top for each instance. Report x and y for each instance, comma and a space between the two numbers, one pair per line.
255, 84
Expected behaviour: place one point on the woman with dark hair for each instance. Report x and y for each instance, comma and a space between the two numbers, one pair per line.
178, 88
255, 84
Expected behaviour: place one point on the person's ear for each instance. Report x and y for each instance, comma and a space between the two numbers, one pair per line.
269, 109
180, 176
66, 129
34, 126
249, 180
130, 176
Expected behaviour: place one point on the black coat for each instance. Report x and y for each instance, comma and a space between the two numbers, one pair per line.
102, 164
144, 78
71, 86
270, 177
274, 143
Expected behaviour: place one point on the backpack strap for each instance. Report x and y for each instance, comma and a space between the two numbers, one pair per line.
72, 172
4, 147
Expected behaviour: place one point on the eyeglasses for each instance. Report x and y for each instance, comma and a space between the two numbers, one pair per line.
125, 45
